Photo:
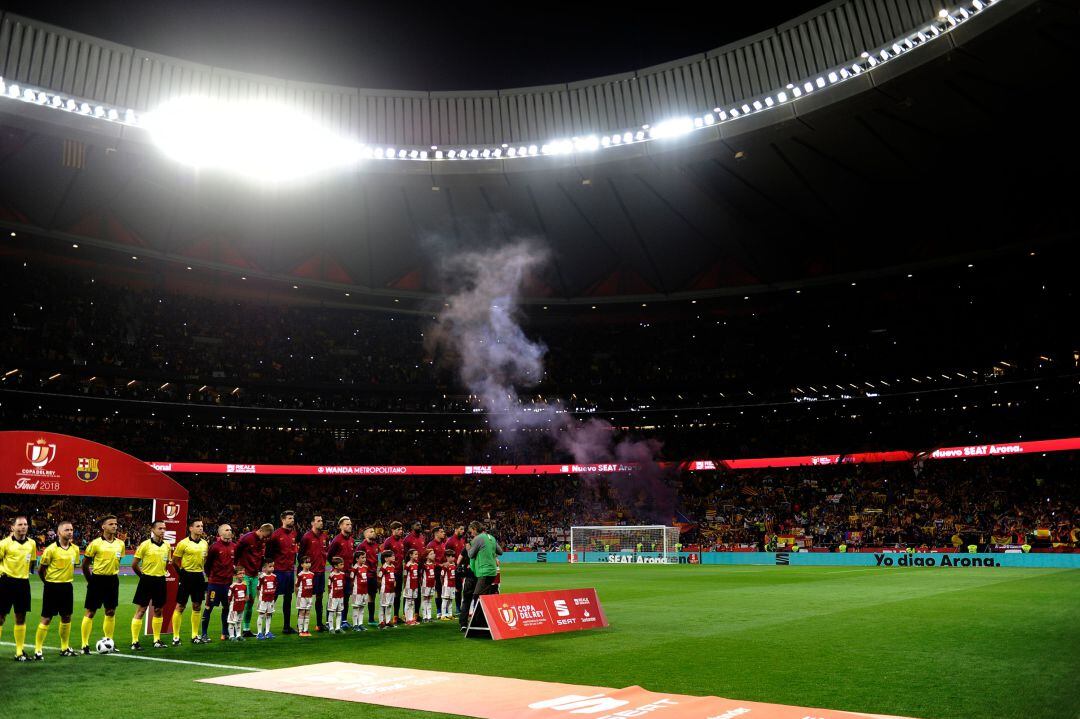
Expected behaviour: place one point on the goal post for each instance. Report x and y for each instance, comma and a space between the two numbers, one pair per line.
646, 544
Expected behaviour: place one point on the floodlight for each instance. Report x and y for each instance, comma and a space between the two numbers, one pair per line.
256, 139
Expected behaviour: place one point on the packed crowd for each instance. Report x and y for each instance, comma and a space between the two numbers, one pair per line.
993, 501
140, 343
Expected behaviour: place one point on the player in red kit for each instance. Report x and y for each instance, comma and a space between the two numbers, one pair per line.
427, 586
313, 546
438, 544
268, 585
305, 596
335, 608
387, 590
416, 540
457, 544
343, 546
282, 548
238, 598
449, 584
370, 548
395, 544
219, 571
411, 589
360, 572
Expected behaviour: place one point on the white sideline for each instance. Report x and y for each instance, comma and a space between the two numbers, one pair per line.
158, 659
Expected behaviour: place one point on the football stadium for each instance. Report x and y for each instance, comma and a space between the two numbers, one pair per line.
700, 362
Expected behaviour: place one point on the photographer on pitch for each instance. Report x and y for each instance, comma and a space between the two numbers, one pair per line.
480, 578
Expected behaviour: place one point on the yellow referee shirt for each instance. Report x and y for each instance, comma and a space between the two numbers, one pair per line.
192, 554
106, 556
59, 562
153, 558
16, 556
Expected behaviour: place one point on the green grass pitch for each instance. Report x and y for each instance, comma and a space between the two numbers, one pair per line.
931, 643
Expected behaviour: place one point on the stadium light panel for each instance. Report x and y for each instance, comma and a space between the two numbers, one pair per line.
258, 140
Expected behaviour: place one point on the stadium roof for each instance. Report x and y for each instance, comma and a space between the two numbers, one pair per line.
946, 151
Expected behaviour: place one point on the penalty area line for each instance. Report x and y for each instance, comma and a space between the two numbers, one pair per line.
159, 659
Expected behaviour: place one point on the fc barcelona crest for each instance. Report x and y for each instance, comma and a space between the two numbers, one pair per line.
40, 453
509, 615
172, 509
87, 469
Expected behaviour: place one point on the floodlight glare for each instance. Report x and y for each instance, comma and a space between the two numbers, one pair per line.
255, 139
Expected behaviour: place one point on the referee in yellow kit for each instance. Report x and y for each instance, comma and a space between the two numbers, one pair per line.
57, 570
189, 557
101, 571
17, 553
151, 565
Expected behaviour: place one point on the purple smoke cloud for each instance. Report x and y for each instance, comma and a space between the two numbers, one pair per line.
479, 331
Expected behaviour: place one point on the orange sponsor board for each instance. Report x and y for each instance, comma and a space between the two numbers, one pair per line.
502, 698
528, 614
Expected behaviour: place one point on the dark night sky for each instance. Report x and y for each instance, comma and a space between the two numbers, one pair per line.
413, 45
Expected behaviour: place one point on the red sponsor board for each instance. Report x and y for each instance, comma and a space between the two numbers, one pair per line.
174, 513
1002, 449
698, 465
817, 460
528, 614
381, 470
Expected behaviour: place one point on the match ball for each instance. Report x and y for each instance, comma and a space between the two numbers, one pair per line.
105, 645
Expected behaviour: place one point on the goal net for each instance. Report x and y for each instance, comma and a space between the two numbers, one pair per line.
655, 544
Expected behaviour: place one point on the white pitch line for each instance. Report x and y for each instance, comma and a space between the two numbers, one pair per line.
161, 659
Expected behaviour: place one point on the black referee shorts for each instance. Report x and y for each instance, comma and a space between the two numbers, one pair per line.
150, 590
192, 586
14, 595
57, 598
102, 590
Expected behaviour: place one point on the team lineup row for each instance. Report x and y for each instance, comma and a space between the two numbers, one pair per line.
245, 578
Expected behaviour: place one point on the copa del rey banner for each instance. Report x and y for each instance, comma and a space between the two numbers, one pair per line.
487, 697
528, 614
47, 463
50, 464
